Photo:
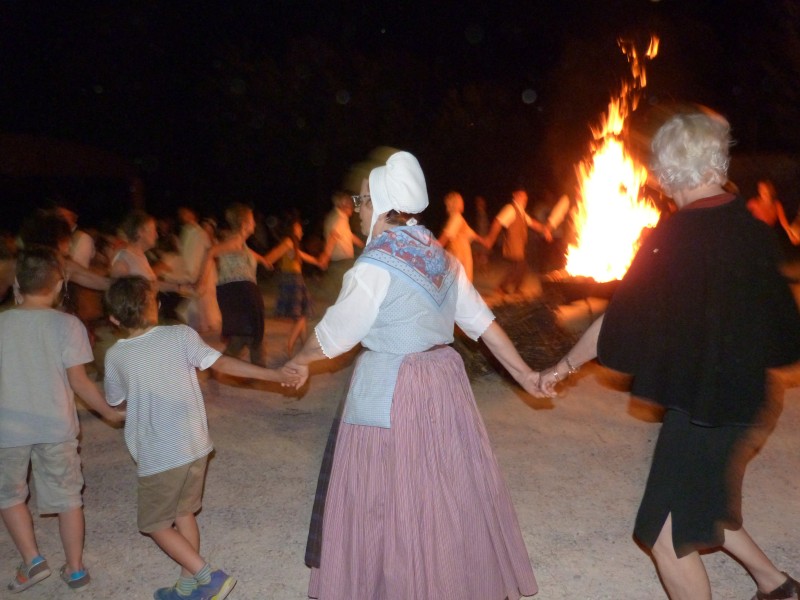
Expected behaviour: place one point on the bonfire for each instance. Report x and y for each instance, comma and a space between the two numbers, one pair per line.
610, 215
612, 209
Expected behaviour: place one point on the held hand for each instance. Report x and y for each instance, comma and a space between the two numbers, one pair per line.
530, 383
548, 380
116, 416
317, 262
287, 378
299, 373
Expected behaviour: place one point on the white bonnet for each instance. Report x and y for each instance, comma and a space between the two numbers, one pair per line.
399, 185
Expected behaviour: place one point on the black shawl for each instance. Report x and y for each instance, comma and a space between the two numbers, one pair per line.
701, 313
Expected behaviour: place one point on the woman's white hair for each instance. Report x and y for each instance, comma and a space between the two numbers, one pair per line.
691, 150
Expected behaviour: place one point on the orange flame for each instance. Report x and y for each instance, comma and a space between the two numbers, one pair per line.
612, 211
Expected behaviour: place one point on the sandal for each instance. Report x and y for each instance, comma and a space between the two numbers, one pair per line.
789, 589
77, 580
28, 575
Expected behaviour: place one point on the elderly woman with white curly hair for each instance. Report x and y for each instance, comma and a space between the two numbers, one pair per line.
701, 314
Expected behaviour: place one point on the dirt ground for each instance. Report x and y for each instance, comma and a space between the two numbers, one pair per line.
575, 465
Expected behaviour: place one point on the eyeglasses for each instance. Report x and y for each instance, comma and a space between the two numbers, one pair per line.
358, 200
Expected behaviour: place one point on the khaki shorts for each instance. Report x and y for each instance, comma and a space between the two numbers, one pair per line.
56, 473
165, 496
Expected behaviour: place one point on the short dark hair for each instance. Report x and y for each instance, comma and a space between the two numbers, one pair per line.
126, 301
38, 270
44, 229
235, 215
134, 221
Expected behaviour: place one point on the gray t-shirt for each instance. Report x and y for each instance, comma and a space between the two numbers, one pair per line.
37, 405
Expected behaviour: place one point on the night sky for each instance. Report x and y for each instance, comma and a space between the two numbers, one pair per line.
271, 102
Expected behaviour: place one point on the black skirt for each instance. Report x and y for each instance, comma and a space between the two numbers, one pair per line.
242, 309
696, 476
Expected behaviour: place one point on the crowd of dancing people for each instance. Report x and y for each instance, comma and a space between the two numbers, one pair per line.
207, 272
410, 502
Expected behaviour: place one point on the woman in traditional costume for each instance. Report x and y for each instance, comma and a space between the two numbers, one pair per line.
416, 507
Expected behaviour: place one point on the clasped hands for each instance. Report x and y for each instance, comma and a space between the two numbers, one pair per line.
296, 374
542, 384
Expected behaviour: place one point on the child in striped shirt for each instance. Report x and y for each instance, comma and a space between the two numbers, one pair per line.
154, 371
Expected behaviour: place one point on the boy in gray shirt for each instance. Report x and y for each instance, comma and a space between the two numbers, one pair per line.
42, 356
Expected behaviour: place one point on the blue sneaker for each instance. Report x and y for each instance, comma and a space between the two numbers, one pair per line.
218, 588
171, 593
168, 593
27, 575
77, 580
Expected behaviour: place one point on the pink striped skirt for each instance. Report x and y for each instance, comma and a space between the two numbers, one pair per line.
420, 511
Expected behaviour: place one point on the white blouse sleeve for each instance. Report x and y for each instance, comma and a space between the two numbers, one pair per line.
473, 316
349, 320
506, 215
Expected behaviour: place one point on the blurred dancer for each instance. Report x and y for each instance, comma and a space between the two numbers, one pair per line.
457, 236
766, 207
294, 301
515, 221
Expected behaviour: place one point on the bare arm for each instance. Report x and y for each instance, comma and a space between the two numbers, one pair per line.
278, 251
357, 241
495, 230
483, 242
785, 224
208, 260
503, 349
541, 228
325, 257
87, 390
311, 352
85, 277
240, 368
312, 260
261, 259
583, 351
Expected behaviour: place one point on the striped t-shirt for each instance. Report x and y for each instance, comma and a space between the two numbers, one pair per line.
166, 425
